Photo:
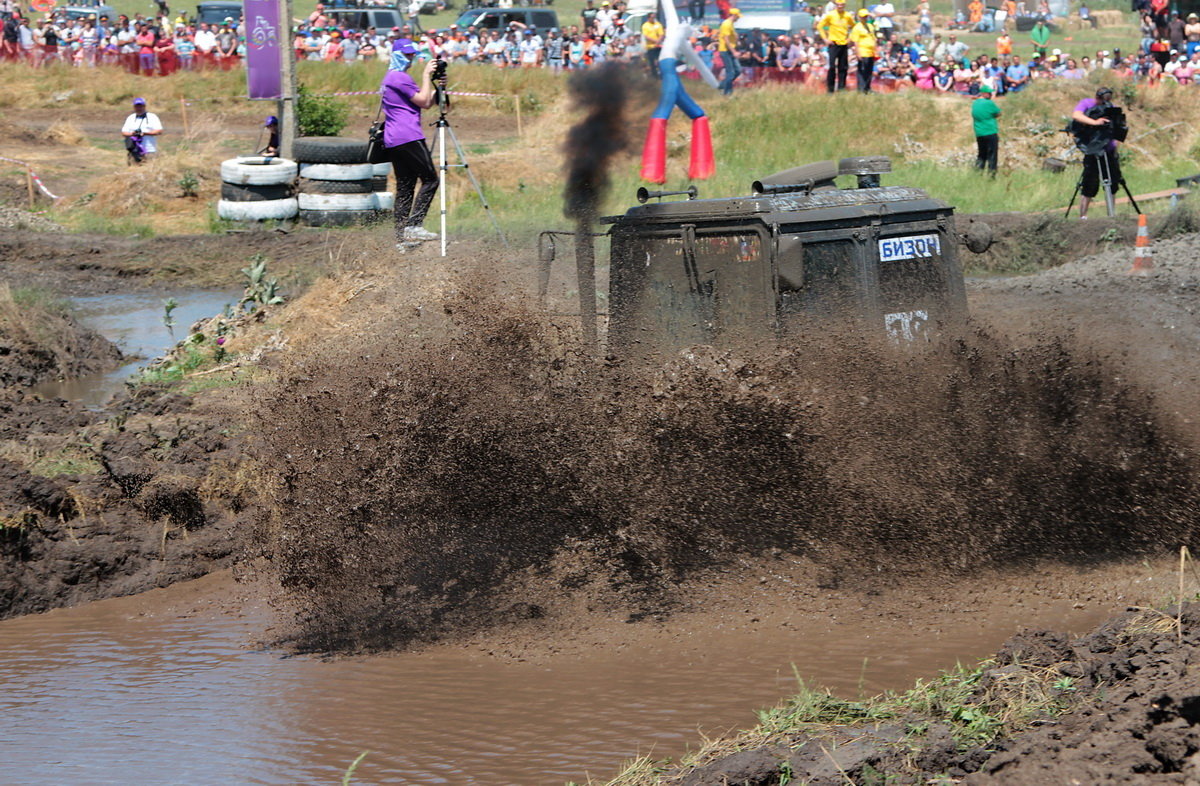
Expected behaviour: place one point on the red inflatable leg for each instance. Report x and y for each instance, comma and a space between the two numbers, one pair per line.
654, 154
702, 164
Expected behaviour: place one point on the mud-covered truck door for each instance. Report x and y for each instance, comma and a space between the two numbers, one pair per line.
917, 285
687, 285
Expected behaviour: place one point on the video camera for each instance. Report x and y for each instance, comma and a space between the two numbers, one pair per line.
1094, 140
440, 79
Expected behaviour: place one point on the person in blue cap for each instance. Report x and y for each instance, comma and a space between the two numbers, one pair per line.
272, 126
404, 141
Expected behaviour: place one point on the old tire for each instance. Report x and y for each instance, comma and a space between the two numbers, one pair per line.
385, 201
382, 170
309, 186
258, 171
336, 171
336, 218
379, 183
365, 201
330, 150
257, 211
236, 193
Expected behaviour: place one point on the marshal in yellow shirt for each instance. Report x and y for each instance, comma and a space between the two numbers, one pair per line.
652, 34
727, 37
835, 26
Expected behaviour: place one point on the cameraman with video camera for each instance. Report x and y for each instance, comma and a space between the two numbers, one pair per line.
1097, 127
404, 140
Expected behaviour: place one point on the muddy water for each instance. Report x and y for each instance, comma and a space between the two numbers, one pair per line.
168, 688
134, 322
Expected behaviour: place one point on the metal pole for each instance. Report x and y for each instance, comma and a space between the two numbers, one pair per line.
287, 81
585, 271
442, 176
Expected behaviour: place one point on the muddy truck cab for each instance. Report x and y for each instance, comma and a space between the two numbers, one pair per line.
799, 252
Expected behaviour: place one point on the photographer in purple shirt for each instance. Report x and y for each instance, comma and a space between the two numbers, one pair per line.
404, 142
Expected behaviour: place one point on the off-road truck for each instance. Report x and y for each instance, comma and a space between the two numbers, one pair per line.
798, 250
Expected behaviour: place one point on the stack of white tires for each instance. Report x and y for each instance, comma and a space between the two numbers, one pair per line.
258, 188
337, 186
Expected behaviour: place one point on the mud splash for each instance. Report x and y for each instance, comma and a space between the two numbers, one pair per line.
487, 472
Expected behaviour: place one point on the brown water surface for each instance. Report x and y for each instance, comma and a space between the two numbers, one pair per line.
167, 688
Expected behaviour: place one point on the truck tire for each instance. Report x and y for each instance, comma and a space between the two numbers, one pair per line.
362, 201
258, 171
337, 171
379, 183
257, 211
329, 150
235, 193
382, 170
385, 201
336, 218
310, 186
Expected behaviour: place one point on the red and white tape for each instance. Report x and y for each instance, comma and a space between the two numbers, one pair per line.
32, 174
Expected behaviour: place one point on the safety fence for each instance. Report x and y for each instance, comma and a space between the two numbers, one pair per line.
32, 179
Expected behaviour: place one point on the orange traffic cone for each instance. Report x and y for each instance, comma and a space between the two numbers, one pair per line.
1143, 255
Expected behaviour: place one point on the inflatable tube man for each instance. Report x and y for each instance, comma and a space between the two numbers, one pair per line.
677, 46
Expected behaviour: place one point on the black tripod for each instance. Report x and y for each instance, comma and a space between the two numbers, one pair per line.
443, 128
1106, 182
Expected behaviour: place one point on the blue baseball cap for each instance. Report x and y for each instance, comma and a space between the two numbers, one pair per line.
404, 46
139, 102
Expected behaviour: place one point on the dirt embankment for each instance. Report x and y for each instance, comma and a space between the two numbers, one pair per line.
74, 264
1119, 705
149, 492
40, 340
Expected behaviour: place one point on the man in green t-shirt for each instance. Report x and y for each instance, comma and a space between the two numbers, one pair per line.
987, 132
1039, 36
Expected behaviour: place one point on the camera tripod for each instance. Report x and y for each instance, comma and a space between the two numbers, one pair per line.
443, 129
1106, 184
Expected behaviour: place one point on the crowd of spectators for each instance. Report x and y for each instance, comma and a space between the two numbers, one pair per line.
1169, 48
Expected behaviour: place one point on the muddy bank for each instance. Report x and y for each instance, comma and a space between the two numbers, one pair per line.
80, 264
1116, 705
1031, 242
95, 505
40, 340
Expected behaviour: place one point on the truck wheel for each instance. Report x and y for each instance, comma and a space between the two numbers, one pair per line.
258, 171
257, 211
235, 193
329, 150
337, 171
381, 170
384, 201
310, 186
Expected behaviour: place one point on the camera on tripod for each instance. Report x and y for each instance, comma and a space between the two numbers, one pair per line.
440, 79
1093, 140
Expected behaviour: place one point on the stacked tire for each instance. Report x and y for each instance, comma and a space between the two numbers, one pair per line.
258, 188
337, 186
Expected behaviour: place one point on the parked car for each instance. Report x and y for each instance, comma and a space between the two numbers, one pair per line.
500, 18
384, 18
216, 12
86, 11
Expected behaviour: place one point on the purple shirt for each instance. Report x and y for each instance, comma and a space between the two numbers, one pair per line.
402, 116
1084, 106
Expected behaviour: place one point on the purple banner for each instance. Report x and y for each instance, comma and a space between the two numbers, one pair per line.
263, 39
